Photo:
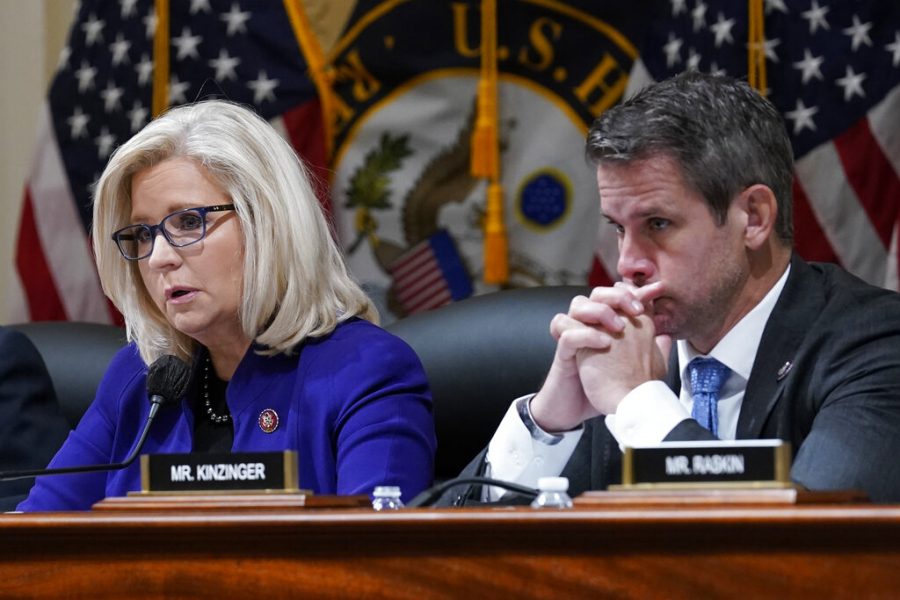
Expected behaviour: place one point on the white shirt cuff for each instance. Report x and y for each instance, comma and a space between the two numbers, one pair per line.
513, 455
646, 415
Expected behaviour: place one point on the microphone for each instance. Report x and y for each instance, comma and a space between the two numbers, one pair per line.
167, 380
435, 492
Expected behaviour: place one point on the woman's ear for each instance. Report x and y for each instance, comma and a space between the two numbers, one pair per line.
761, 207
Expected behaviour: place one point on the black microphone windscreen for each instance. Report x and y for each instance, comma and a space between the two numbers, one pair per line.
168, 378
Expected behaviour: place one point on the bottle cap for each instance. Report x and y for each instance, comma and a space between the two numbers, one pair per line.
553, 484
391, 491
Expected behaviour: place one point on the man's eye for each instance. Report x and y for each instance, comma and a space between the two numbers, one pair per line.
619, 229
659, 224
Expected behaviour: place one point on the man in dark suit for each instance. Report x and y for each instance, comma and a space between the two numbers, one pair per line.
695, 175
32, 427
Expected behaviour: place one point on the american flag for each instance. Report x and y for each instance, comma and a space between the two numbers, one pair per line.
833, 70
430, 275
245, 51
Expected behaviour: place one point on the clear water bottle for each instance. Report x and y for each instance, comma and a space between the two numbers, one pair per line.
553, 493
386, 497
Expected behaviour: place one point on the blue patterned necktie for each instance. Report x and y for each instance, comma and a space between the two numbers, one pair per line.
707, 377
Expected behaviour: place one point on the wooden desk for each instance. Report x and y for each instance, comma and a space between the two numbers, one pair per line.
675, 552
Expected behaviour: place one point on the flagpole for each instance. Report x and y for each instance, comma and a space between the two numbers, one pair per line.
756, 47
161, 58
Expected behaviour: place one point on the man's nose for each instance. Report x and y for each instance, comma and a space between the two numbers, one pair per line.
635, 264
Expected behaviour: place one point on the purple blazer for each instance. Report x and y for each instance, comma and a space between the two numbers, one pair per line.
354, 404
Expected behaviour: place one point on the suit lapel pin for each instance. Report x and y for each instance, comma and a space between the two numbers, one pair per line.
268, 420
784, 370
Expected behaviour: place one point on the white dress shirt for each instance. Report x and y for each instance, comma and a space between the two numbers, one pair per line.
645, 416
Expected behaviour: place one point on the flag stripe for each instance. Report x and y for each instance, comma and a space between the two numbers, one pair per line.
34, 272
61, 232
306, 132
599, 275
411, 260
839, 211
418, 270
809, 238
886, 128
893, 277
871, 176
892, 274
606, 252
430, 300
429, 275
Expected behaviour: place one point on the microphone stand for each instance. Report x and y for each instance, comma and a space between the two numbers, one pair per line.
155, 403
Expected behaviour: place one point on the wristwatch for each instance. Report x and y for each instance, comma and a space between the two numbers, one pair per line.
523, 408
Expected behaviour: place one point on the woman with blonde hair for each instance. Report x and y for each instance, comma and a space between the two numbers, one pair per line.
211, 243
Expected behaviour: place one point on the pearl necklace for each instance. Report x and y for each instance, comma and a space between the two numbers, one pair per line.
215, 418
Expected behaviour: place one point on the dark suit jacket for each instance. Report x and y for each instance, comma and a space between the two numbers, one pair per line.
32, 427
838, 402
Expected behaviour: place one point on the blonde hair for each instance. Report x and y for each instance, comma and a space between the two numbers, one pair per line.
295, 282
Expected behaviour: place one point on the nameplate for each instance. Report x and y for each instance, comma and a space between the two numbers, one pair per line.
712, 464
245, 471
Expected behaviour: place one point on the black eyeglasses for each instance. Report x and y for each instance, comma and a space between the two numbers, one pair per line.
181, 228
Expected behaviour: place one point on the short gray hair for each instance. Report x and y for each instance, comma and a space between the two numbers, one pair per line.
295, 282
722, 133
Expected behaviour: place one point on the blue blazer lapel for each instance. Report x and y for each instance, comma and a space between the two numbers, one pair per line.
800, 303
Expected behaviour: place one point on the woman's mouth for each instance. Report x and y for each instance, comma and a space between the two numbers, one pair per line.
180, 295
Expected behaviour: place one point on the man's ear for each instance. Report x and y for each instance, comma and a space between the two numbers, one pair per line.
761, 209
